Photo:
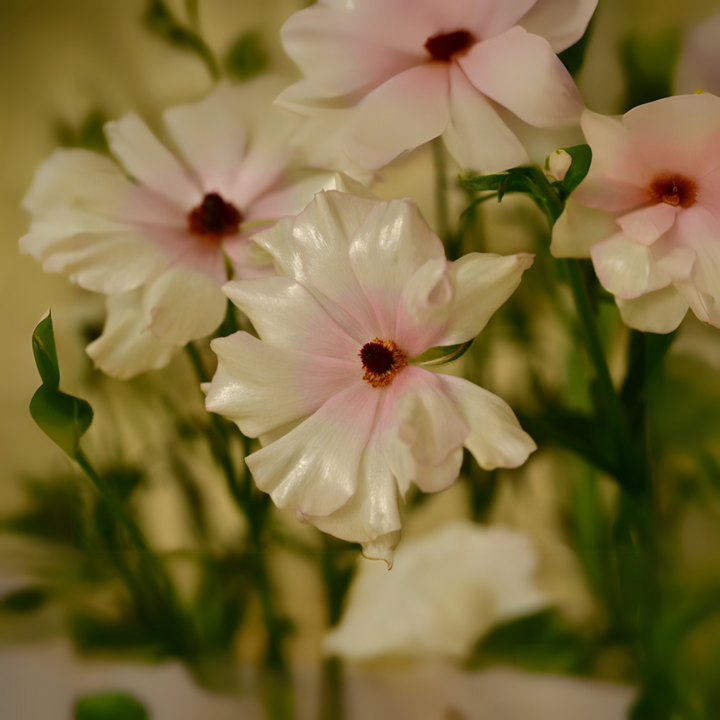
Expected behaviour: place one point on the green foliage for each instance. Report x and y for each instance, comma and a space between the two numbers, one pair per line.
581, 158
62, 417
26, 600
110, 706
89, 136
247, 57
161, 22
436, 356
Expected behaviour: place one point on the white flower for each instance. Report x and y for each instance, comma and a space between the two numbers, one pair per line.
412, 70
157, 242
648, 212
347, 420
446, 589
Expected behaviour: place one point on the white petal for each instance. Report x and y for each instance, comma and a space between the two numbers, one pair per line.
422, 427
561, 22
286, 315
314, 468
391, 243
211, 136
484, 282
578, 228
289, 200
401, 114
261, 387
183, 305
660, 311
313, 248
126, 348
522, 72
496, 438
144, 157
496, 147
649, 223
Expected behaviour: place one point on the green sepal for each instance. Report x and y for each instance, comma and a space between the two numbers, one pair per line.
43, 345
581, 158
437, 356
110, 706
247, 57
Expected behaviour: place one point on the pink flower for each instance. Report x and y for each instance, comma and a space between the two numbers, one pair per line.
648, 212
346, 417
156, 242
416, 69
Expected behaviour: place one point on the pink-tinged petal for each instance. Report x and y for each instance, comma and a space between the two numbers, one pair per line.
522, 73
496, 438
425, 307
313, 248
626, 268
578, 228
609, 193
211, 137
401, 114
646, 225
660, 311
286, 315
125, 348
422, 430
315, 467
148, 160
290, 200
561, 22
708, 187
496, 147
391, 243
183, 305
608, 137
108, 263
249, 261
371, 515
261, 387
483, 283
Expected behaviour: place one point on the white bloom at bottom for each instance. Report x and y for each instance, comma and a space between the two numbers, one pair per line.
346, 419
446, 589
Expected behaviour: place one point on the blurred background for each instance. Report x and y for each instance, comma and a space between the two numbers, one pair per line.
76, 620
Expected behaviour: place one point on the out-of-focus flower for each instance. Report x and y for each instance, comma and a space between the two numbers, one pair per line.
699, 63
446, 589
648, 212
346, 417
412, 70
156, 233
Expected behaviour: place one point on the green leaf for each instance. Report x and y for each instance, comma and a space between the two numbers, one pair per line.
110, 706
62, 417
441, 355
24, 601
581, 158
43, 345
90, 135
247, 57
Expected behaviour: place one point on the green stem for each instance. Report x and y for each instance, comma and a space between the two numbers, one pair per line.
441, 203
193, 15
331, 699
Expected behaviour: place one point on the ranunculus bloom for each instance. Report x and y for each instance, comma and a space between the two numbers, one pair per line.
446, 590
416, 69
345, 417
648, 212
155, 233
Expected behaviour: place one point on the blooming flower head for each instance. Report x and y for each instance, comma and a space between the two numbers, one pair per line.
346, 417
445, 591
648, 212
155, 233
412, 70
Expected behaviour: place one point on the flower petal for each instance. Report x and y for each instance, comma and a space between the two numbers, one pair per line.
315, 467
401, 114
126, 348
183, 305
286, 315
561, 22
496, 438
496, 147
578, 228
522, 72
484, 282
261, 387
391, 243
144, 157
647, 224
660, 311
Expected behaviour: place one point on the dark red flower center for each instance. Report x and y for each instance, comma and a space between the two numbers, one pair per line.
214, 219
673, 189
446, 47
382, 360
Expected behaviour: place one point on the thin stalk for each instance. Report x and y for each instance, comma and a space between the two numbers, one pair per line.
331, 700
441, 190
193, 15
